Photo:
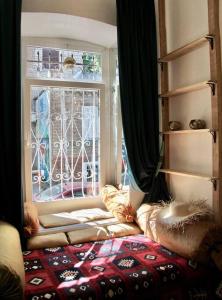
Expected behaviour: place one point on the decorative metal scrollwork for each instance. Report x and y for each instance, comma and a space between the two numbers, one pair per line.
65, 142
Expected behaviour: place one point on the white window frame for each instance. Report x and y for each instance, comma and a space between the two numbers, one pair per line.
106, 144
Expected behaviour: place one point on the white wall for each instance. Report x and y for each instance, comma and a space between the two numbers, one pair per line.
185, 22
56, 25
100, 10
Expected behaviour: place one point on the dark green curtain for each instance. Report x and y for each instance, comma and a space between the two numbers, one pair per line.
11, 208
137, 53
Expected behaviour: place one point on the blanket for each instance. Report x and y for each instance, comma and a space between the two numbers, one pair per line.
132, 267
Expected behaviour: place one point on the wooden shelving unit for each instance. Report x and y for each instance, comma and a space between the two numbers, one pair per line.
215, 83
187, 48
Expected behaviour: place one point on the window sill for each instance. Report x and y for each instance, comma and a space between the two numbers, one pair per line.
58, 206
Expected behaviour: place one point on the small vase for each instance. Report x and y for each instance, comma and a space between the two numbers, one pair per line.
174, 125
197, 124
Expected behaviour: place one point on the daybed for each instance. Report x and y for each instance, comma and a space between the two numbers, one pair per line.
117, 263
130, 267
96, 260
119, 268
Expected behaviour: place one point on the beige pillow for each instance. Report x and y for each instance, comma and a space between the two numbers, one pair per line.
47, 241
56, 220
31, 219
211, 247
10, 250
181, 226
10, 284
123, 229
146, 219
102, 233
184, 242
117, 202
89, 234
186, 228
74, 217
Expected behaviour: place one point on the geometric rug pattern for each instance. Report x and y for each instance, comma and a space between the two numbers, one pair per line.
131, 267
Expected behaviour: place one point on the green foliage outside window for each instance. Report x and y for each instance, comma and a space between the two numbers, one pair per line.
91, 63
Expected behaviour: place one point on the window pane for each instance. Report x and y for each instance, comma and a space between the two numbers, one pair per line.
61, 64
65, 142
124, 168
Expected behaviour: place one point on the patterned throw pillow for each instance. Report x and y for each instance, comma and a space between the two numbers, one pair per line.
117, 202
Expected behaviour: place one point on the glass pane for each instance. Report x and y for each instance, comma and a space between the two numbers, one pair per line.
65, 142
124, 168
61, 64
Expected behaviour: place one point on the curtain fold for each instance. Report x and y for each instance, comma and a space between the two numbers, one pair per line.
138, 78
11, 207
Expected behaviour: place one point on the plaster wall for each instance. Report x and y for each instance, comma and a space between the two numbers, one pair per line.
100, 10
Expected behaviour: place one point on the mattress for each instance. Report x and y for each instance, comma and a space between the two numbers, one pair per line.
130, 267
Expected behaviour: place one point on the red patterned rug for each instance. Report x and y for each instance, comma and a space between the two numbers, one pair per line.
122, 268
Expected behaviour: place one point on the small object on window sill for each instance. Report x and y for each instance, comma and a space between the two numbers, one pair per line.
175, 125
69, 62
197, 124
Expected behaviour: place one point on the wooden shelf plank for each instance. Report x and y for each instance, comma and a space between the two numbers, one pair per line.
185, 89
185, 49
187, 174
187, 131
